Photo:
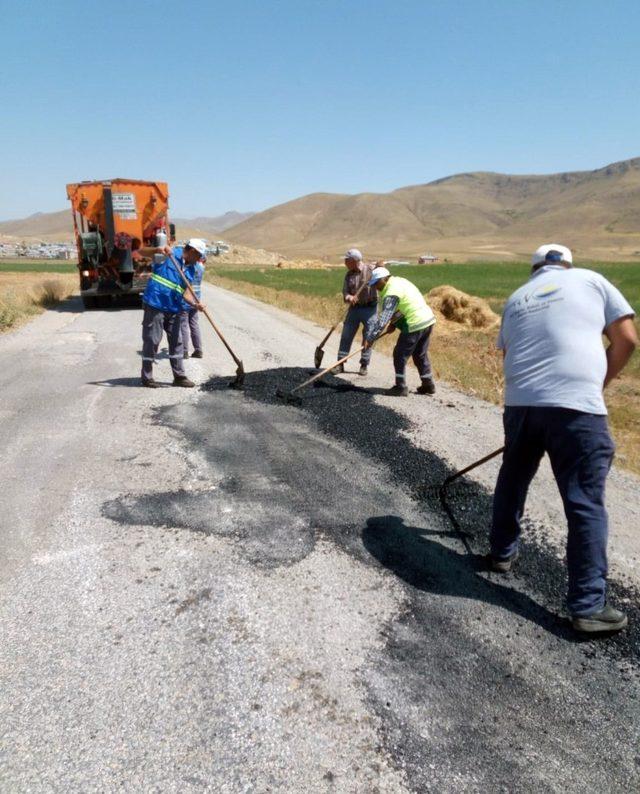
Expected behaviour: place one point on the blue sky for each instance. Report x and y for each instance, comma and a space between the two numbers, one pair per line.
246, 104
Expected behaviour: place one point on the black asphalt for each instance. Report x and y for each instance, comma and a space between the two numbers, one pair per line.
482, 684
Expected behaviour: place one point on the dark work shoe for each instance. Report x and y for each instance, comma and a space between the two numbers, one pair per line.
398, 391
149, 383
363, 370
185, 355
501, 566
183, 381
427, 387
338, 370
196, 354
607, 619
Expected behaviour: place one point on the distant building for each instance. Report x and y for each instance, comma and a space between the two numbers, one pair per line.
426, 259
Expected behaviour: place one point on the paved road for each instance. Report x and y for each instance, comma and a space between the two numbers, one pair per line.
209, 590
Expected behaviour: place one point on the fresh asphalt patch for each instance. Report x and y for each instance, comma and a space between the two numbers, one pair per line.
480, 682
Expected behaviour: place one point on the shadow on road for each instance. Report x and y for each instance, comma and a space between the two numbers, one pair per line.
348, 413
431, 567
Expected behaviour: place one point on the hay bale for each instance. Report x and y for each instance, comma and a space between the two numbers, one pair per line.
458, 307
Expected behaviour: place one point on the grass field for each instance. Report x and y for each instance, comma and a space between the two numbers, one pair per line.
464, 357
37, 266
29, 291
494, 281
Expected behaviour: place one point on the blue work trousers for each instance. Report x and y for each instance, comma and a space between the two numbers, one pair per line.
356, 316
581, 451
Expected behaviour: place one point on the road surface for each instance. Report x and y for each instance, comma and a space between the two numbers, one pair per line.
209, 590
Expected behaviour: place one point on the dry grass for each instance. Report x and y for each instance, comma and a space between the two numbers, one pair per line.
23, 295
467, 358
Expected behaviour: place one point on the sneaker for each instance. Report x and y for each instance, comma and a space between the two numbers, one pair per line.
398, 391
427, 387
362, 371
607, 619
501, 566
183, 381
149, 383
338, 370
196, 354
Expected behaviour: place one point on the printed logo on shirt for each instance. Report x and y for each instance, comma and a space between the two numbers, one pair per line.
546, 292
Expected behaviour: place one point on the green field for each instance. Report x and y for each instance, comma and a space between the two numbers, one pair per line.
494, 281
37, 266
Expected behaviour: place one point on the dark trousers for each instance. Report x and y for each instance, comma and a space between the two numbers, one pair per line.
416, 346
356, 316
154, 323
190, 327
581, 451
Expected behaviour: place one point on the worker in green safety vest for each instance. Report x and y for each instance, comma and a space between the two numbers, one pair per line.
404, 307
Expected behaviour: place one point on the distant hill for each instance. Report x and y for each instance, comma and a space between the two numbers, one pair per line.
477, 215
474, 215
216, 225
54, 226
58, 226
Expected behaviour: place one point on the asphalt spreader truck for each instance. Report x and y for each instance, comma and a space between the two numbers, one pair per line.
112, 220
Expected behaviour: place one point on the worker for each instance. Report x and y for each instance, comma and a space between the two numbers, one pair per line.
556, 368
189, 318
362, 301
163, 301
404, 307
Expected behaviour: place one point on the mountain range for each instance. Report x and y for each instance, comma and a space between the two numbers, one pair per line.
478, 215
466, 216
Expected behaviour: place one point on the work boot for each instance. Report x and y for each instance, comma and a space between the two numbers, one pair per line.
149, 383
398, 391
363, 370
338, 370
607, 619
427, 387
196, 354
501, 566
182, 380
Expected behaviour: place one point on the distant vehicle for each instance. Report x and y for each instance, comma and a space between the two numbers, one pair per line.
393, 262
112, 219
426, 259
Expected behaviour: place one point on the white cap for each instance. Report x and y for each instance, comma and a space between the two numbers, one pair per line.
353, 253
552, 252
199, 245
377, 274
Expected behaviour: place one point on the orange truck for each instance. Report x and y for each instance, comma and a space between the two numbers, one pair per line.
112, 220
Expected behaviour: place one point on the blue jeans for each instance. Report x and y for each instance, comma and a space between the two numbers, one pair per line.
581, 451
355, 316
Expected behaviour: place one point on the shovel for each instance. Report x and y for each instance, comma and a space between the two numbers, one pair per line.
317, 359
238, 383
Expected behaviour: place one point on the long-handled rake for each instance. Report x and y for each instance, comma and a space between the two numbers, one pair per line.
442, 494
238, 383
319, 353
291, 396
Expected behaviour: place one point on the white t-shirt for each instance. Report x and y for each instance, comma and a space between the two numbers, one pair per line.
552, 334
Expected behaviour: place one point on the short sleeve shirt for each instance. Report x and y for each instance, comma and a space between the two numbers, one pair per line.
551, 333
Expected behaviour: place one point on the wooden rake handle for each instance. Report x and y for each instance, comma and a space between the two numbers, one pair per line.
205, 311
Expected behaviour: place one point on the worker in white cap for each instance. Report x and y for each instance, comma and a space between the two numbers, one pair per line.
362, 301
556, 368
163, 301
404, 307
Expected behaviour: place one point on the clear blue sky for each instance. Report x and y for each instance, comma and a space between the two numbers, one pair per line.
248, 103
